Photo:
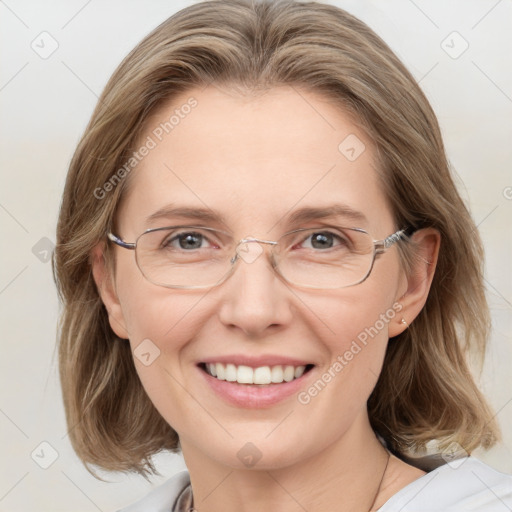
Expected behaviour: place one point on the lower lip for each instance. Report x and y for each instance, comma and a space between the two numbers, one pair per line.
254, 396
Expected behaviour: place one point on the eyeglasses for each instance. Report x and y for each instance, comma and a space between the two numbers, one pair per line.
190, 257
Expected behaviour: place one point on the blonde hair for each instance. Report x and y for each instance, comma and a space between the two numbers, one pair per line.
425, 390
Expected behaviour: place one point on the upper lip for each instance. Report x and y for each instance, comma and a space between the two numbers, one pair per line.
256, 361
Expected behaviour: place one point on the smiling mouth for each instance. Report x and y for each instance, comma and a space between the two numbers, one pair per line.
262, 375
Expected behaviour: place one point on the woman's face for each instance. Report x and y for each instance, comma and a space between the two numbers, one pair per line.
254, 161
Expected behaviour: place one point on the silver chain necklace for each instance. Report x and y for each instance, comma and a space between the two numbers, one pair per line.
190, 506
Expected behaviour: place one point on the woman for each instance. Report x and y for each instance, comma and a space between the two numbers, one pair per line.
265, 264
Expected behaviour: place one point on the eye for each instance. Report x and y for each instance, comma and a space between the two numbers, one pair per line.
186, 240
323, 240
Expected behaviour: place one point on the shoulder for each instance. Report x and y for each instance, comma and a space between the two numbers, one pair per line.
171, 496
463, 485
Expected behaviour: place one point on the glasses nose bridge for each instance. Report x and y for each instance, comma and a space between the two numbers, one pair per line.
251, 239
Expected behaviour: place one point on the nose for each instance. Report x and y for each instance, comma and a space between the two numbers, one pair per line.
254, 299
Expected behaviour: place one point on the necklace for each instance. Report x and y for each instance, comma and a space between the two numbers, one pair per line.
380, 483
188, 507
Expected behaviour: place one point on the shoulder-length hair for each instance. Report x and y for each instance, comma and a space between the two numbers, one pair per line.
425, 391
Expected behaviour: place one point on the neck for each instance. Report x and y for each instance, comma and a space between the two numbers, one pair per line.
345, 476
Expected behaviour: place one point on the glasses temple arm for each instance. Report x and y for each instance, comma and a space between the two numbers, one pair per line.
120, 242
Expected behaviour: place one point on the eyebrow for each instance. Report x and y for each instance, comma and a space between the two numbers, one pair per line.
170, 211
307, 214
301, 215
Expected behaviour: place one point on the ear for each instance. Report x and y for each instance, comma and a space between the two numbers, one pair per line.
417, 283
106, 288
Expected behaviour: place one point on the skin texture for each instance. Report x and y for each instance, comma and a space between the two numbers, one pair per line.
254, 160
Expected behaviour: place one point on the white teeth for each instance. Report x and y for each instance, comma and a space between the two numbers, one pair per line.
221, 372
299, 371
245, 375
289, 373
261, 375
277, 374
230, 372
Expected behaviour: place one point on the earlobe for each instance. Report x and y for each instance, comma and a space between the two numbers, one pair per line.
426, 242
106, 289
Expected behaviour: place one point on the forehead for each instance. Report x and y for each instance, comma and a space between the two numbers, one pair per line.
253, 158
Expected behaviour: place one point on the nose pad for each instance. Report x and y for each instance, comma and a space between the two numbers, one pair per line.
249, 250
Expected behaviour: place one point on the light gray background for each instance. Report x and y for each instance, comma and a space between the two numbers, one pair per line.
45, 105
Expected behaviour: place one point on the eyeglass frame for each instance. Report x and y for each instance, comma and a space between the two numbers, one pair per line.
379, 247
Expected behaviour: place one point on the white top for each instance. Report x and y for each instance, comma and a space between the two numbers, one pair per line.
464, 485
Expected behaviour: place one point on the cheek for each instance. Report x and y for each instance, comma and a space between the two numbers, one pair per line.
162, 324
152, 311
357, 333
353, 326
360, 313
355, 342
169, 319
